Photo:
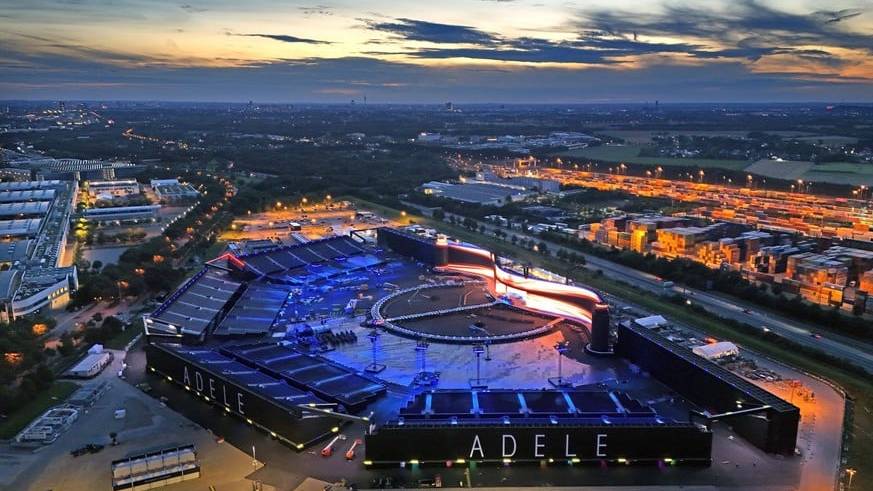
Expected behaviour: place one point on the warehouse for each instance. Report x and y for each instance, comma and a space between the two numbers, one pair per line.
27, 209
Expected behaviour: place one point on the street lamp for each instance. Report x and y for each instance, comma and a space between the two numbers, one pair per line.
851, 472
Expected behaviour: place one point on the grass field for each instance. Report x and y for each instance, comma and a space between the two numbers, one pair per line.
16, 421
841, 173
630, 154
858, 388
126, 336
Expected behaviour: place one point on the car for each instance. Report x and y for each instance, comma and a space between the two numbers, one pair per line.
747, 311
89, 448
78, 452
815, 335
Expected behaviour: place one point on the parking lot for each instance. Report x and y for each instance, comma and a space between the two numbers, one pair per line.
147, 425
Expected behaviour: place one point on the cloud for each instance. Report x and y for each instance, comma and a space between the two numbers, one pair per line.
192, 9
432, 32
286, 38
744, 21
313, 10
593, 48
54, 76
831, 16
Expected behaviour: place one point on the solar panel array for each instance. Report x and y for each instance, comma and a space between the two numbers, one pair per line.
328, 380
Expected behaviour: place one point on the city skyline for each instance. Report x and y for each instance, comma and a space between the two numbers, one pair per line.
464, 51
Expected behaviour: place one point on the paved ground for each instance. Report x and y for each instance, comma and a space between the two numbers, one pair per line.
148, 425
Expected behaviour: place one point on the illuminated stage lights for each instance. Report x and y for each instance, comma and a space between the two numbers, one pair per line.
538, 294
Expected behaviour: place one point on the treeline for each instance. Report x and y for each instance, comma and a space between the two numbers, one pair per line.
23, 369
148, 267
338, 171
698, 275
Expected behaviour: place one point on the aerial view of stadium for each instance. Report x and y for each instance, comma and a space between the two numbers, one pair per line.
418, 355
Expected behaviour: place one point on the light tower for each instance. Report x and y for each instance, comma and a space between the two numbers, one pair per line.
374, 367
561, 347
477, 383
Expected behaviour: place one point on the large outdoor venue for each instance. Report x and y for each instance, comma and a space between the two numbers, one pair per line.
406, 337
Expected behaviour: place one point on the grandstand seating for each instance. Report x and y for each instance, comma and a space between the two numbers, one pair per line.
279, 390
287, 258
326, 379
254, 312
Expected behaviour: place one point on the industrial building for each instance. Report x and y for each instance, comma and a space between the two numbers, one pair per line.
172, 191
27, 195
106, 190
121, 214
34, 234
476, 192
24, 209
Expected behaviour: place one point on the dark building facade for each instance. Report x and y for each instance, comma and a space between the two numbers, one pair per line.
534, 426
723, 395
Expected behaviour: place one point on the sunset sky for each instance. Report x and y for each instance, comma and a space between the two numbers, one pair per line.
447, 50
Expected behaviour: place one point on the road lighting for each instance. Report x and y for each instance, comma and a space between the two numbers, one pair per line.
851, 472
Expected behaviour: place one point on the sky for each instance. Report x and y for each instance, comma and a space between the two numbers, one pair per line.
463, 51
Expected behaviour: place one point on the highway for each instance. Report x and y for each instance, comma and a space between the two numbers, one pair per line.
836, 345
851, 350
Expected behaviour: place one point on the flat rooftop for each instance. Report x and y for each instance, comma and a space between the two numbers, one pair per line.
27, 227
27, 208
14, 251
473, 192
27, 195
27, 185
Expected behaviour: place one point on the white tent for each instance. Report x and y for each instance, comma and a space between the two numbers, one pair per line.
716, 350
652, 321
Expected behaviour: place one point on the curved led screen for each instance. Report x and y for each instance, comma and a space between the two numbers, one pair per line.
573, 302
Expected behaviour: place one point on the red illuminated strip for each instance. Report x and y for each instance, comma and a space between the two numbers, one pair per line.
233, 260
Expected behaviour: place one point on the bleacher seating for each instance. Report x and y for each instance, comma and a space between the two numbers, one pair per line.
326, 379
